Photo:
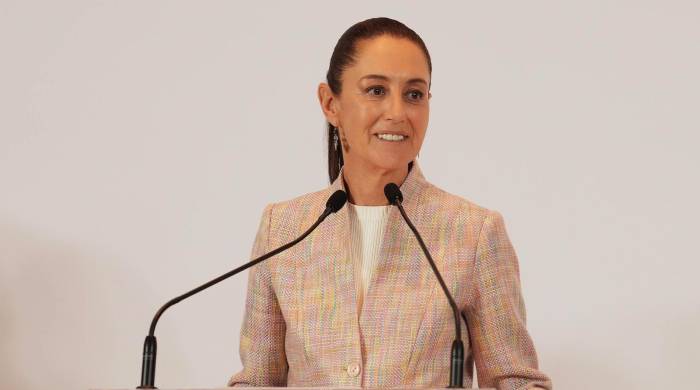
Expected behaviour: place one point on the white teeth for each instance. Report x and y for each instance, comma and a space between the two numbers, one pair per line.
391, 137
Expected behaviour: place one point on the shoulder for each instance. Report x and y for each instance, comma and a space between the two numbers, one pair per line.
462, 219
457, 207
287, 217
312, 202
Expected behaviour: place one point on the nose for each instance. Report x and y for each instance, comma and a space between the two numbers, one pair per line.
396, 110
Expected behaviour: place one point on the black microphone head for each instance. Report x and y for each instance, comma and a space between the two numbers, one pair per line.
393, 193
336, 201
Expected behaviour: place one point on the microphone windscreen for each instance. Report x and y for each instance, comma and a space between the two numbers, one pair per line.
337, 201
393, 193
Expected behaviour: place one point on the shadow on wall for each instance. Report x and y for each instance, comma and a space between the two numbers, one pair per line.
9, 377
598, 372
681, 333
648, 349
67, 315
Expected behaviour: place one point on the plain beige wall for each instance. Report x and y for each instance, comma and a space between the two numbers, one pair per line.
140, 141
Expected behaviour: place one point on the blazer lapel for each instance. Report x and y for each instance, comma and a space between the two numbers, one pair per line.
398, 293
400, 287
328, 309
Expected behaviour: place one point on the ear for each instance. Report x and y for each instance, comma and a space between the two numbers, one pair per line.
329, 103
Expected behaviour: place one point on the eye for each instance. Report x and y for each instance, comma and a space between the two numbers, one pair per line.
415, 95
376, 90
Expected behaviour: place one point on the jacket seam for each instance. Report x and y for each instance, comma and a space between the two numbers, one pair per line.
269, 228
477, 263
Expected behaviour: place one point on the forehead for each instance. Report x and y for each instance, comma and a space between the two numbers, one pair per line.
389, 56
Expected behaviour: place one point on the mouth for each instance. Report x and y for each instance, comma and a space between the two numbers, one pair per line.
391, 137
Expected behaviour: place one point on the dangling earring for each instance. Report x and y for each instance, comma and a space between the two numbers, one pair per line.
335, 138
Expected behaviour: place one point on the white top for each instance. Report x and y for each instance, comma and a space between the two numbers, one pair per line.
367, 225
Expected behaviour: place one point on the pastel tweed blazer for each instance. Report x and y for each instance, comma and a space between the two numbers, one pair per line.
301, 326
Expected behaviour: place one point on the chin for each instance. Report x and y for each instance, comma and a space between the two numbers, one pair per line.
392, 163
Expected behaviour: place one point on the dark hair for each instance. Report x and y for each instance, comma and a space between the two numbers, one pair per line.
344, 56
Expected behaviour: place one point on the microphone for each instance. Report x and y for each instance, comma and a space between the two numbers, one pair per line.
394, 196
148, 365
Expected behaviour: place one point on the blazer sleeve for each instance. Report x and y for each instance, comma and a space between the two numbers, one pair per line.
504, 353
263, 330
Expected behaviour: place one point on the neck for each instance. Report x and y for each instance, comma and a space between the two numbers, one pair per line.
365, 185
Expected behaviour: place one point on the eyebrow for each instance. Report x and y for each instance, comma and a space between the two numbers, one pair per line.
384, 78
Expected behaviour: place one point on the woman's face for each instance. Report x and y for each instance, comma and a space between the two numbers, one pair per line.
382, 110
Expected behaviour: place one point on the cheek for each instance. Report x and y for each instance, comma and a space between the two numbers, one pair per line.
368, 113
419, 119
360, 116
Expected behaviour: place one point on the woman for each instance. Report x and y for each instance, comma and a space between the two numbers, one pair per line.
356, 303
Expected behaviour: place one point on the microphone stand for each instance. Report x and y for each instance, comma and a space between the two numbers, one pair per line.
395, 197
148, 364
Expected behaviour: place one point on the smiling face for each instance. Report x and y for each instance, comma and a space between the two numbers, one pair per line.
382, 110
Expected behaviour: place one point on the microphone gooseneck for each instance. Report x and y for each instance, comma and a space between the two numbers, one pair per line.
148, 365
394, 196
